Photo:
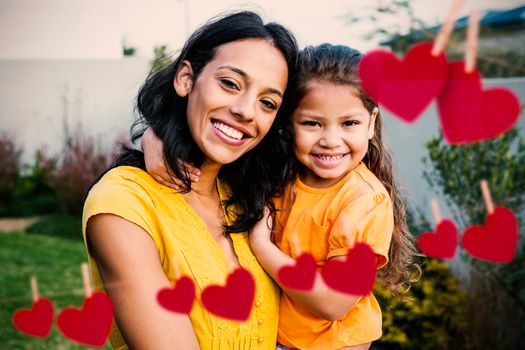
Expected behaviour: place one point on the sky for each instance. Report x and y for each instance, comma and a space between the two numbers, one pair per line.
97, 29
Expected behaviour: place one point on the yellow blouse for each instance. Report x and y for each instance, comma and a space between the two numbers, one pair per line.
179, 233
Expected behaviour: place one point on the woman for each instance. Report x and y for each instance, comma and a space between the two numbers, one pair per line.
211, 107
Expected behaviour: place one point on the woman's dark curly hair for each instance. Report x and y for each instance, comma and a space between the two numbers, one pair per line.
256, 176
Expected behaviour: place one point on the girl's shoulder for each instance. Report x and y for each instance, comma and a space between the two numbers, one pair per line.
364, 181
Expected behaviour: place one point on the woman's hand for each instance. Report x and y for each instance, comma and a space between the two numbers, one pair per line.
156, 164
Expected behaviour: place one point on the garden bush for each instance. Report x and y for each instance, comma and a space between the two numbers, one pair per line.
496, 291
432, 314
51, 184
58, 225
80, 164
9, 170
27, 190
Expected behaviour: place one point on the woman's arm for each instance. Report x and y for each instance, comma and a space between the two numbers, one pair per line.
322, 301
128, 262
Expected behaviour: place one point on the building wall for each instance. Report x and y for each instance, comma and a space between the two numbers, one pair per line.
38, 97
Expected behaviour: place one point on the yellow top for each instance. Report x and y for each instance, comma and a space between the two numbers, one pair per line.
359, 207
179, 233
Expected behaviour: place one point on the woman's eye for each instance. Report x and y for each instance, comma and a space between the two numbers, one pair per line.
269, 104
229, 84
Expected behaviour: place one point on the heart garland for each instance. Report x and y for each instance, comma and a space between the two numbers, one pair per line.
356, 274
180, 298
301, 275
496, 240
442, 243
233, 300
406, 87
36, 321
89, 325
470, 114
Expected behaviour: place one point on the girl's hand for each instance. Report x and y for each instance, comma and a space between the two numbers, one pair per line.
156, 164
262, 231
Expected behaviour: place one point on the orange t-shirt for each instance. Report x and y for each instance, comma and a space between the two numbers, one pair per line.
357, 206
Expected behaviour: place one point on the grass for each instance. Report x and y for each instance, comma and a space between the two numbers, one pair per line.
55, 262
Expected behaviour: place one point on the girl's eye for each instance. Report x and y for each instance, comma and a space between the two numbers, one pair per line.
310, 123
350, 123
229, 84
269, 104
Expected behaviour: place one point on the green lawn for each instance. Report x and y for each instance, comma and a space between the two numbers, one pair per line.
55, 262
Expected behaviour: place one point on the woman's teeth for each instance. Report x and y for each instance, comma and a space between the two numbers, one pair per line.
229, 131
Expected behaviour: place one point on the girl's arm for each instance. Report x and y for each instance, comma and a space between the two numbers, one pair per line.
322, 301
128, 262
156, 166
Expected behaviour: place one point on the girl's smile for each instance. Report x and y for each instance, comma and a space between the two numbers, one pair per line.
325, 160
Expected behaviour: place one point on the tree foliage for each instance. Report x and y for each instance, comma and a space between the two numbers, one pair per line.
397, 27
497, 291
161, 58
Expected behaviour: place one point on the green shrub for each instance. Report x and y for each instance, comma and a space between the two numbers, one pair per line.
9, 168
52, 184
496, 291
33, 193
80, 163
58, 225
431, 316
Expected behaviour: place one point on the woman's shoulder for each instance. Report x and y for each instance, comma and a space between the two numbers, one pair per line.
130, 178
118, 185
123, 186
122, 174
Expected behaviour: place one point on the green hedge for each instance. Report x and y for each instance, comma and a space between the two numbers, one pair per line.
58, 225
432, 315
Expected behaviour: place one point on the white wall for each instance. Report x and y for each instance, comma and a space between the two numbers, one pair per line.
37, 96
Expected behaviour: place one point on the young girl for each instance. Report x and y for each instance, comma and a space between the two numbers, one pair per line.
343, 193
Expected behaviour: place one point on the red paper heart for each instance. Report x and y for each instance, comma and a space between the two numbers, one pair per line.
180, 298
405, 87
441, 244
355, 275
301, 275
37, 321
495, 241
234, 300
89, 325
470, 114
